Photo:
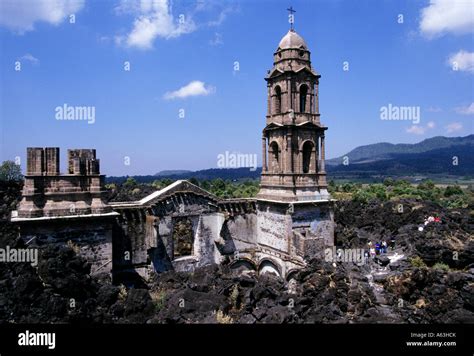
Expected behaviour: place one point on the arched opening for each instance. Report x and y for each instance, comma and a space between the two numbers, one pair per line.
267, 266
242, 266
303, 96
274, 157
277, 100
307, 153
291, 275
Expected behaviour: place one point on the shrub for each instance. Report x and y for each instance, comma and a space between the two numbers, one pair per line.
402, 183
136, 191
388, 182
73, 247
130, 182
378, 191
158, 298
223, 318
456, 202
234, 296
348, 187
441, 266
417, 262
122, 296
426, 185
453, 190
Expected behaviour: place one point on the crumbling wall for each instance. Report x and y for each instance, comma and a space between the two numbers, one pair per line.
274, 226
242, 230
313, 229
91, 238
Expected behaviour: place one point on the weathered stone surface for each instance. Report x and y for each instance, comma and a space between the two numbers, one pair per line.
47, 193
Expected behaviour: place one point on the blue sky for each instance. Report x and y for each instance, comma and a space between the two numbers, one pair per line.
182, 56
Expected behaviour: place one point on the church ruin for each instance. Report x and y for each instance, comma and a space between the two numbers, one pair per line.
182, 226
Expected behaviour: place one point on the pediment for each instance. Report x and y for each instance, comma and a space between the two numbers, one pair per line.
179, 187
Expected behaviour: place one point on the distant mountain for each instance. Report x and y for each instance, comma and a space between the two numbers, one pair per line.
434, 162
168, 173
223, 173
390, 151
435, 156
205, 174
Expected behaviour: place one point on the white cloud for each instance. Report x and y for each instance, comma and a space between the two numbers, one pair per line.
416, 130
453, 127
20, 16
221, 18
194, 88
217, 40
462, 61
447, 16
30, 58
420, 129
465, 110
434, 109
154, 18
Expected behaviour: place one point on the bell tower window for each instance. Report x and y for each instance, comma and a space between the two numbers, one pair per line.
277, 100
303, 96
307, 152
275, 157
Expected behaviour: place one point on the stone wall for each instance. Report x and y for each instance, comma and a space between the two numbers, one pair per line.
48, 193
89, 237
259, 235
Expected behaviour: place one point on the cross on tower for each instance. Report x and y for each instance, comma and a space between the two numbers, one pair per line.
291, 17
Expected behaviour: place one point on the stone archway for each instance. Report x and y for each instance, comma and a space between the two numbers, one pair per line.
291, 275
243, 265
270, 267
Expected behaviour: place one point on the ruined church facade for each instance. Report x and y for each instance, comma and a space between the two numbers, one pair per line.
182, 226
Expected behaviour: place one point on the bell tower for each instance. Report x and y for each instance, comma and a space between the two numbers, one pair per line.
293, 140
294, 209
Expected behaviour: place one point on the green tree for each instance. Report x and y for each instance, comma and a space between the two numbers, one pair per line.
194, 181
377, 190
402, 183
206, 185
10, 171
426, 185
348, 187
388, 182
166, 182
156, 184
218, 184
453, 190
362, 196
130, 182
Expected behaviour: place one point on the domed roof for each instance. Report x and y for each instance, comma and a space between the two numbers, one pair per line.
292, 40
